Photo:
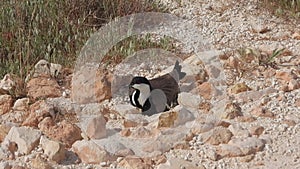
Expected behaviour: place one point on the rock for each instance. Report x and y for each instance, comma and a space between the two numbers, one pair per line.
238, 131
246, 118
63, 131
124, 152
5, 165
111, 145
232, 110
142, 132
248, 96
261, 112
177, 163
4, 129
293, 85
211, 154
12, 84
91, 153
133, 162
247, 158
54, 150
249, 145
21, 104
256, 130
155, 160
91, 84
205, 90
296, 35
43, 87
285, 76
289, 122
189, 100
38, 111
41, 68
55, 69
39, 163
125, 109
26, 138
217, 136
239, 88
96, 127
227, 150
178, 116
6, 102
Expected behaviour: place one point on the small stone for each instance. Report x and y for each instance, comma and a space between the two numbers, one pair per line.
26, 138
43, 87
256, 130
177, 163
6, 102
289, 122
238, 131
247, 158
124, 152
5, 165
217, 136
21, 104
226, 150
125, 132
189, 100
40, 163
296, 35
249, 145
54, 150
211, 154
205, 90
262, 112
96, 127
38, 111
133, 162
232, 110
293, 85
89, 152
4, 129
239, 88
245, 118
63, 131
285, 76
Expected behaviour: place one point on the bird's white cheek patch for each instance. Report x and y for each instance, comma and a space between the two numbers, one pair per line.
132, 98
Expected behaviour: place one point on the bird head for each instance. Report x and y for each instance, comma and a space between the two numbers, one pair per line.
140, 83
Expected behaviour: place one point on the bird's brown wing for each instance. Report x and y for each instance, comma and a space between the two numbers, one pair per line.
168, 85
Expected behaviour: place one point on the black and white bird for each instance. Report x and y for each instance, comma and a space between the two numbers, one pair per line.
158, 94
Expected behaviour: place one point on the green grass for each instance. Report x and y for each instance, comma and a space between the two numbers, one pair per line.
285, 8
56, 30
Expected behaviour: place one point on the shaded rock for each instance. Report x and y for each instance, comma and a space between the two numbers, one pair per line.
261, 112
232, 110
205, 90
21, 104
96, 127
227, 150
256, 130
177, 163
55, 69
6, 102
4, 129
189, 100
54, 150
217, 136
293, 85
42, 67
91, 153
5, 165
285, 76
43, 87
238, 131
156, 160
125, 109
91, 84
26, 138
239, 88
124, 152
167, 119
63, 131
38, 111
249, 145
133, 162
39, 163
12, 84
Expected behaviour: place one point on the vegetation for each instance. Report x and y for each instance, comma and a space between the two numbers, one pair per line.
56, 30
286, 8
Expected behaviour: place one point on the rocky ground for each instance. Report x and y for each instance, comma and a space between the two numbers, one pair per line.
254, 123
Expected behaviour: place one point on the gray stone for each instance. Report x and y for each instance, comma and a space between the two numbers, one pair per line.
217, 136
26, 138
53, 149
89, 152
249, 145
189, 100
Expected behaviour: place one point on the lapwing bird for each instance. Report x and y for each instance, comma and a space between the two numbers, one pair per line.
158, 94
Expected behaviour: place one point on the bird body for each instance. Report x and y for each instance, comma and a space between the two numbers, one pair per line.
158, 94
